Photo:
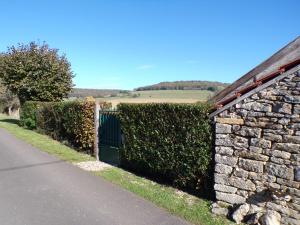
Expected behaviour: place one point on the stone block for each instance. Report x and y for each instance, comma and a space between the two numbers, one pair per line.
280, 160
224, 169
223, 128
272, 114
278, 208
273, 126
256, 150
262, 177
271, 217
272, 137
257, 106
249, 132
294, 126
288, 183
291, 139
221, 179
256, 114
251, 165
225, 188
251, 155
289, 147
242, 183
292, 99
282, 108
240, 213
278, 154
230, 198
238, 172
230, 121
240, 142
295, 157
224, 140
296, 109
224, 150
260, 142
217, 210
226, 160
279, 132
284, 121
280, 171
297, 173
291, 221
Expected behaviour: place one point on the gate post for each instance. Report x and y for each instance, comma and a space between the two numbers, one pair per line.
96, 122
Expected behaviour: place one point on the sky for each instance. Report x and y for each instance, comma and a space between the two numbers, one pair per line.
124, 44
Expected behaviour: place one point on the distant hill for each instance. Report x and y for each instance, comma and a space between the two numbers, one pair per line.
96, 93
175, 85
185, 85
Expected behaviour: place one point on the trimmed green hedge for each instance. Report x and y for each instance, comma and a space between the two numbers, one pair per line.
169, 141
71, 121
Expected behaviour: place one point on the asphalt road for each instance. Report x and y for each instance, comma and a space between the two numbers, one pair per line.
38, 189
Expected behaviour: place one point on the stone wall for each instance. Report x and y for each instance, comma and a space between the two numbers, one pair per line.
257, 152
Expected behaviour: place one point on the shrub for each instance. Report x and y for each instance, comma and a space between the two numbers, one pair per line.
170, 141
70, 121
105, 105
28, 114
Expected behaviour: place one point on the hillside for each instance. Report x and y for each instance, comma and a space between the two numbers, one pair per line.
210, 86
96, 93
185, 85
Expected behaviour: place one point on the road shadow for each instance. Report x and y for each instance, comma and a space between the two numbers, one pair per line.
30, 166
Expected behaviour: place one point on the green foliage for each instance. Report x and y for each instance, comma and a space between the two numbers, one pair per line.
170, 141
7, 99
105, 105
28, 114
71, 121
36, 73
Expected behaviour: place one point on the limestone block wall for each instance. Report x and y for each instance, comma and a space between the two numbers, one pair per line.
257, 152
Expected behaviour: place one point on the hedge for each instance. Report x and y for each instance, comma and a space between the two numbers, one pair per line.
70, 121
168, 141
28, 114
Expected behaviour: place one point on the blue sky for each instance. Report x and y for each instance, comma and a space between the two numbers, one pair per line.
130, 43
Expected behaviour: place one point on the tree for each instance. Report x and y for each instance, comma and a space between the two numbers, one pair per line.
8, 101
36, 72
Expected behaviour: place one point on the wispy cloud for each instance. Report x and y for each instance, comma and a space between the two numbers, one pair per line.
145, 67
191, 61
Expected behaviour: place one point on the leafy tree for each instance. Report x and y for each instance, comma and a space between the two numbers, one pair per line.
8, 101
36, 72
2, 89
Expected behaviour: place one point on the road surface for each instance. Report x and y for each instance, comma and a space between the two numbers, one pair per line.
39, 189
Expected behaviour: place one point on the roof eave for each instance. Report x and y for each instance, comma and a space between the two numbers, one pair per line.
293, 70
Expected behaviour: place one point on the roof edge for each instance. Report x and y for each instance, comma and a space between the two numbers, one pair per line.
259, 88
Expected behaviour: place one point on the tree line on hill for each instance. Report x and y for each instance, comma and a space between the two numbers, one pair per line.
185, 85
96, 93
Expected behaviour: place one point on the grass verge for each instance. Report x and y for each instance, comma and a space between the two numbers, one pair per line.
195, 210
43, 142
192, 209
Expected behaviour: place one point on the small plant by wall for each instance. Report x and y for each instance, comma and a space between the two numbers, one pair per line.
169, 141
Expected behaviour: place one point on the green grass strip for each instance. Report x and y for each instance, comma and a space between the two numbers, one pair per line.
43, 142
191, 208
